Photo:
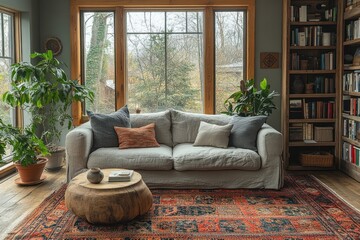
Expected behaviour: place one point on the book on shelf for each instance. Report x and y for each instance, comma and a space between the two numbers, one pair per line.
121, 175
326, 62
324, 84
319, 109
302, 132
351, 82
351, 129
312, 36
296, 109
354, 106
351, 153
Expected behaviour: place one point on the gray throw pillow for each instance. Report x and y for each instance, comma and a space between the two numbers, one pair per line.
103, 127
213, 135
245, 130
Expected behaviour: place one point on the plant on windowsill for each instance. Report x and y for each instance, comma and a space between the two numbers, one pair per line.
250, 101
45, 91
26, 151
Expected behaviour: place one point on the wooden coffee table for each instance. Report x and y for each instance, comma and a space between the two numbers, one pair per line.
108, 202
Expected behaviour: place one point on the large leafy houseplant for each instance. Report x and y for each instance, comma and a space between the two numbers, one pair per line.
250, 101
45, 91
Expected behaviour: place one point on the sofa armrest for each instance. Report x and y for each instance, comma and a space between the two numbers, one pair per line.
78, 146
269, 145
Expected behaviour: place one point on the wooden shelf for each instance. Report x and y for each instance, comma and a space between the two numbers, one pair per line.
318, 144
312, 47
351, 141
313, 95
293, 148
312, 71
313, 120
355, 94
313, 23
352, 42
350, 169
350, 68
348, 116
354, 13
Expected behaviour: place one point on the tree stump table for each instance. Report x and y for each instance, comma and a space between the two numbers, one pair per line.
108, 202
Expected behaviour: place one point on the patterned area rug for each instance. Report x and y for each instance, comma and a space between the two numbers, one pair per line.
303, 209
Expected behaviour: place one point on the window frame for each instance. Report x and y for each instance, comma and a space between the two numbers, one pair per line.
120, 7
18, 115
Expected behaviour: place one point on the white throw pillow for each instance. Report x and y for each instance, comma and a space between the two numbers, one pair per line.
213, 135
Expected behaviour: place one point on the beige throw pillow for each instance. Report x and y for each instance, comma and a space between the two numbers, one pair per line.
213, 135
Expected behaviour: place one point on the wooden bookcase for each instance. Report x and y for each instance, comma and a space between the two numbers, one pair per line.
310, 85
349, 142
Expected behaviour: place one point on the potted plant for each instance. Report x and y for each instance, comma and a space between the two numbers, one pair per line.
28, 151
250, 101
45, 91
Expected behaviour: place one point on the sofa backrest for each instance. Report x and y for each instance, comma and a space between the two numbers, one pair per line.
162, 122
185, 125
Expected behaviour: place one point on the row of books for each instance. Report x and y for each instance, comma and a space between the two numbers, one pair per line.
351, 82
301, 14
312, 36
301, 132
351, 153
351, 128
302, 109
324, 85
354, 106
326, 61
352, 30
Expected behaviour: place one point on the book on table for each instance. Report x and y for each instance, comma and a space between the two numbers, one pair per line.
120, 175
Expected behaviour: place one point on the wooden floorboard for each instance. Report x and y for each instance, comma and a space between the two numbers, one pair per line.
17, 202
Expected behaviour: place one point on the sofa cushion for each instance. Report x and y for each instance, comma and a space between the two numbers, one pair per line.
142, 137
245, 130
185, 125
188, 157
213, 135
162, 122
159, 158
103, 127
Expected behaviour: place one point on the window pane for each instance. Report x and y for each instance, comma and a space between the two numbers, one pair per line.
144, 22
7, 57
99, 57
195, 22
8, 35
165, 70
176, 22
229, 54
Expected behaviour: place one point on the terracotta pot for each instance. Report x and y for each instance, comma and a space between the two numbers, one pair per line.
33, 172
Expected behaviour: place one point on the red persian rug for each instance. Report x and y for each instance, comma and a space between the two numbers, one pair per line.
303, 209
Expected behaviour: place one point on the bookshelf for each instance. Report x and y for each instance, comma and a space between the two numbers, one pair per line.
310, 85
350, 90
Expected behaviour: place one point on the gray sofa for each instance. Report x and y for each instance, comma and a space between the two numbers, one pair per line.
179, 164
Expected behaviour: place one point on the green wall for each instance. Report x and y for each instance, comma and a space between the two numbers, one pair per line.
29, 24
268, 34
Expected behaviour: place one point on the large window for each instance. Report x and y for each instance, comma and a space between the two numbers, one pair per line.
230, 49
98, 59
164, 60
7, 57
189, 56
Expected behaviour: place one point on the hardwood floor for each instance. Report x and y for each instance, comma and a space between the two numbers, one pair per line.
17, 202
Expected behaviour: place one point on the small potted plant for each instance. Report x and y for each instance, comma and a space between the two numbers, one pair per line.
45, 91
28, 151
250, 101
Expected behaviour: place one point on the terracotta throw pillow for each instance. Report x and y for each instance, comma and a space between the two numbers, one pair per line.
141, 137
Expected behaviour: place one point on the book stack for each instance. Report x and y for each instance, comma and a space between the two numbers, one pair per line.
121, 176
351, 153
